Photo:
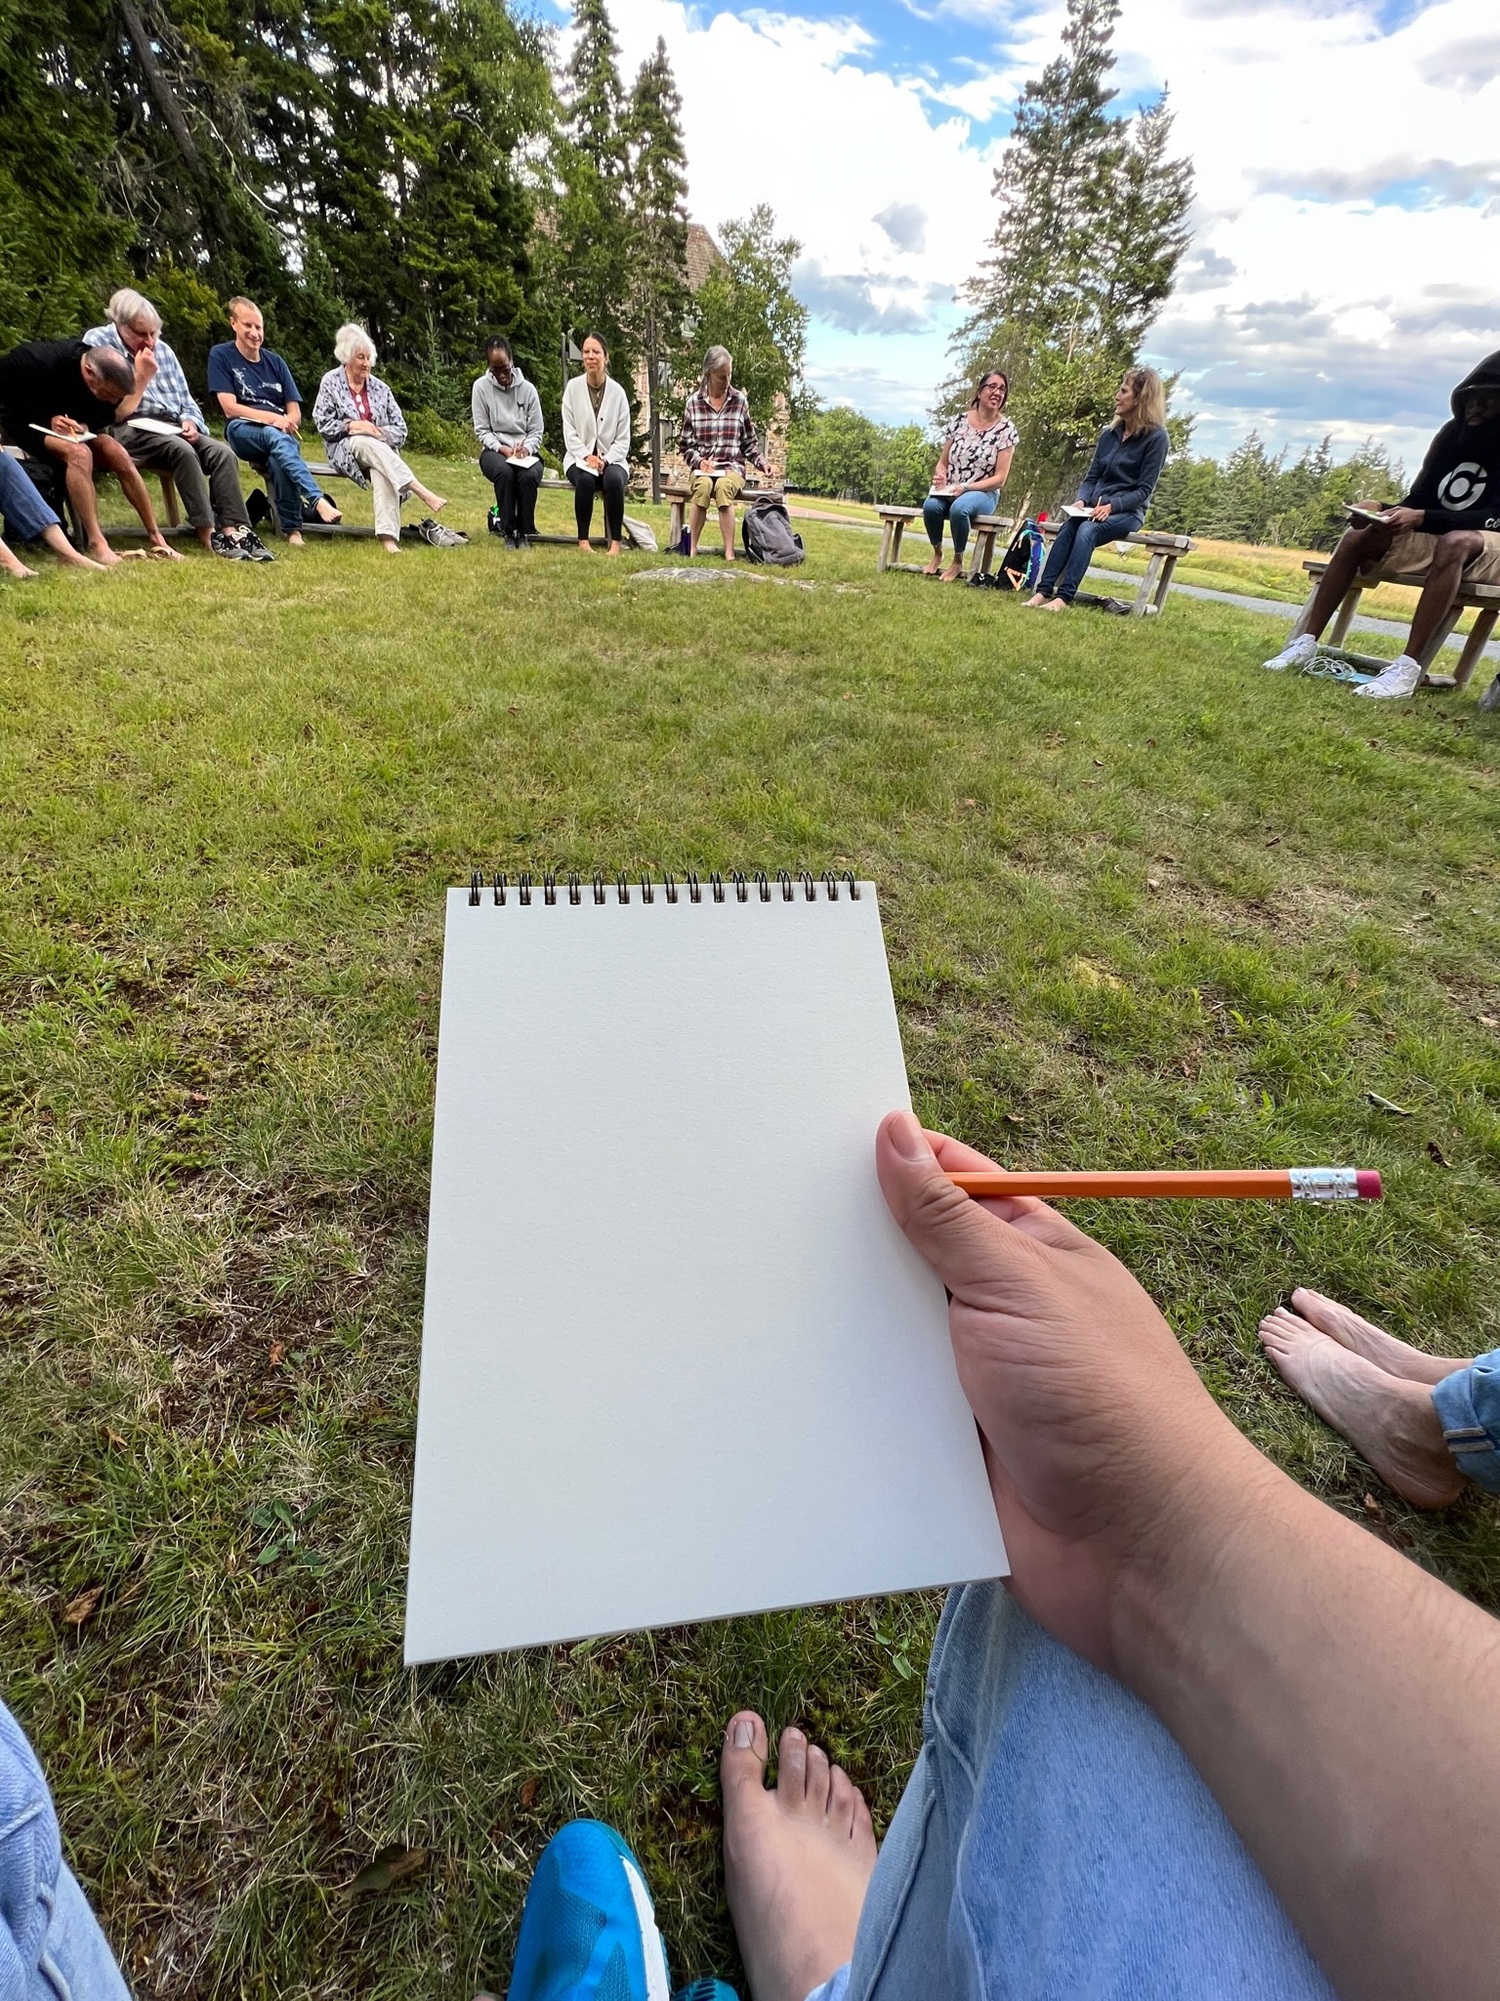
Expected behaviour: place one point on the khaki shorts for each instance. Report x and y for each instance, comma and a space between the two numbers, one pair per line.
724, 489
1410, 558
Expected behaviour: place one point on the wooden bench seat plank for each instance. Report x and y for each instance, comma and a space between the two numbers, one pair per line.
1482, 599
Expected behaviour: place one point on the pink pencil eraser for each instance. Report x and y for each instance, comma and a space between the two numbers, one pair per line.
1367, 1181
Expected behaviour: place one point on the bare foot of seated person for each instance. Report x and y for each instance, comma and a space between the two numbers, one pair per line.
798, 1857
1372, 1388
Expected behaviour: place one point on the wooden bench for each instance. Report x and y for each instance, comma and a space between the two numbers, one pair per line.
679, 493
1482, 599
893, 525
1164, 550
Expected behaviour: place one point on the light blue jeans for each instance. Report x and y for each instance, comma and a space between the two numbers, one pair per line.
279, 458
1468, 1407
1054, 1844
959, 513
51, 1947
1073, 549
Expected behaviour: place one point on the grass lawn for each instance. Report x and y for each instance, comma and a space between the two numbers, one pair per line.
1145, 904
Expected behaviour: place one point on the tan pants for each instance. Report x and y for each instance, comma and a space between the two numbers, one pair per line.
390, 477
717, 489
1411, 556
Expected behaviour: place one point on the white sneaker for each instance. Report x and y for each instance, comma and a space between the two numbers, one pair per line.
1396, 682
1296, 653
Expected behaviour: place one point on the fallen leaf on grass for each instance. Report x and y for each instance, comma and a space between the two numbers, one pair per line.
1488, 1021
390, 1867
1152, 882
278, 1354
1275, 841
1088, 974
1385, 1105
529, 1792
1435, 1152
1373, 1507
84, 1605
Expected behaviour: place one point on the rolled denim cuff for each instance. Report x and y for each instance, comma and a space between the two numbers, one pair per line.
1468, 1408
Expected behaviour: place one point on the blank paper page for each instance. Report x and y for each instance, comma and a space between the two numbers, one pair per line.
678, 1362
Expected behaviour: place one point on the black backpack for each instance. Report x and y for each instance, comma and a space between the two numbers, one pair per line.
766, 536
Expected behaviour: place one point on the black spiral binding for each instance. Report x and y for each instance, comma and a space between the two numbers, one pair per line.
502, 888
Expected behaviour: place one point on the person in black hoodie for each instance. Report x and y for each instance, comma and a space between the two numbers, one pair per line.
1445, 534
1116, 489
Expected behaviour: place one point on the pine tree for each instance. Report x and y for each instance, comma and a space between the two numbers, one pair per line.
594, 96
585, 252
659, 298
1091, 228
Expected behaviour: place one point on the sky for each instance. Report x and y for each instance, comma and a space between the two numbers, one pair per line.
1345, 265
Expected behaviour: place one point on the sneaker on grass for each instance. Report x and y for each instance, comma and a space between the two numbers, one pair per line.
253, 549
227, 546
1396, 682
1296, 653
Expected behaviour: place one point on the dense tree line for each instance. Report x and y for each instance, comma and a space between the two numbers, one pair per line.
425, 169
1255, 496
1092, 225
846, 454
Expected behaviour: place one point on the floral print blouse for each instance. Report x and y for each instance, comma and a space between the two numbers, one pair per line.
972, 454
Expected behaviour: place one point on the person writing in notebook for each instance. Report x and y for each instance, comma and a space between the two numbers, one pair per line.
507, 414
1211, 1738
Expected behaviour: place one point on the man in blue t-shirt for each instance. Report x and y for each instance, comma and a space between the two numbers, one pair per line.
262, 407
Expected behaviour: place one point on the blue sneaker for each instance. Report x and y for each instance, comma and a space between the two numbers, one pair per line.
588, 1932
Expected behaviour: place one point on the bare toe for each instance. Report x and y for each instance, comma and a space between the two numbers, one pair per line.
842, 1793
817, 1779
791, 1765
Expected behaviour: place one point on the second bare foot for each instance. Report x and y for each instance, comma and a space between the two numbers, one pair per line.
798, 1858
1397, 1358
1389, 1420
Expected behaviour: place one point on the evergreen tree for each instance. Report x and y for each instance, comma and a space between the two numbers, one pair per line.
659, 299
587, 252
1091, 228
747, 305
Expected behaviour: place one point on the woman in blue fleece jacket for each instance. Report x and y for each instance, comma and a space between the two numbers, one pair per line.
1117, 487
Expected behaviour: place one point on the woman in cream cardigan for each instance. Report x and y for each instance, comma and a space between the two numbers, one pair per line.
596, 443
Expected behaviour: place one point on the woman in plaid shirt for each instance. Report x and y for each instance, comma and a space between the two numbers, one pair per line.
718, 441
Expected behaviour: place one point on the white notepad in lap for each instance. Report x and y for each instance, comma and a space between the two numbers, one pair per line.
678, 1361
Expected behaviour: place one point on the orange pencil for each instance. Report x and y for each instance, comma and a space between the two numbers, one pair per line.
1285, 1184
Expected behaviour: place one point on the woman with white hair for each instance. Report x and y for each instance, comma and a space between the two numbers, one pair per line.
718, 440
361, 425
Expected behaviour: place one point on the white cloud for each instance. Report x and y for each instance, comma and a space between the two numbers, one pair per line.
1344, 270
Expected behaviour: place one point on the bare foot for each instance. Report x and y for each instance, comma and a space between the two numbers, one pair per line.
934, 568
953, 572
326, 512
166, 551
1053, 604
390, 545
613, 549
797, 1859
1389, 1420
17, 570
436, 501
1033, 601
294, 538
1397, 1358
105, 557
587, 548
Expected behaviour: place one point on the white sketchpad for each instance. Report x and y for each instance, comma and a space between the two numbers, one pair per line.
678, 1362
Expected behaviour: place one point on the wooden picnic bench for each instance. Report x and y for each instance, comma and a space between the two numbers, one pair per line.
679, 492
1164, 551
1482, 599
895, 520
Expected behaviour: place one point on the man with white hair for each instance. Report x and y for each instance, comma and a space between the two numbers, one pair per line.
203, 468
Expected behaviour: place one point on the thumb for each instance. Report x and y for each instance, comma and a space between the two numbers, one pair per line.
971, 1250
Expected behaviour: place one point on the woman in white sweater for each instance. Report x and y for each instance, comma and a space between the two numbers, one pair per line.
596, 443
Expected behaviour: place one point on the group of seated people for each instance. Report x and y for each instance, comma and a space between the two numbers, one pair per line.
116, 401
974, 464
717, 438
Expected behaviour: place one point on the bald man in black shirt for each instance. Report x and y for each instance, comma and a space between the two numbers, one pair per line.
67, 388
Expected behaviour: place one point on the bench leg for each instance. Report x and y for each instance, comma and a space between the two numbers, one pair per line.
1169, 564
1474, 645
984, 552
674, 532
1145, 595
883, 560
1344, 617
899, 528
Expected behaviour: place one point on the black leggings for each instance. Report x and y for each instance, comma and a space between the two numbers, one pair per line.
585, 485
